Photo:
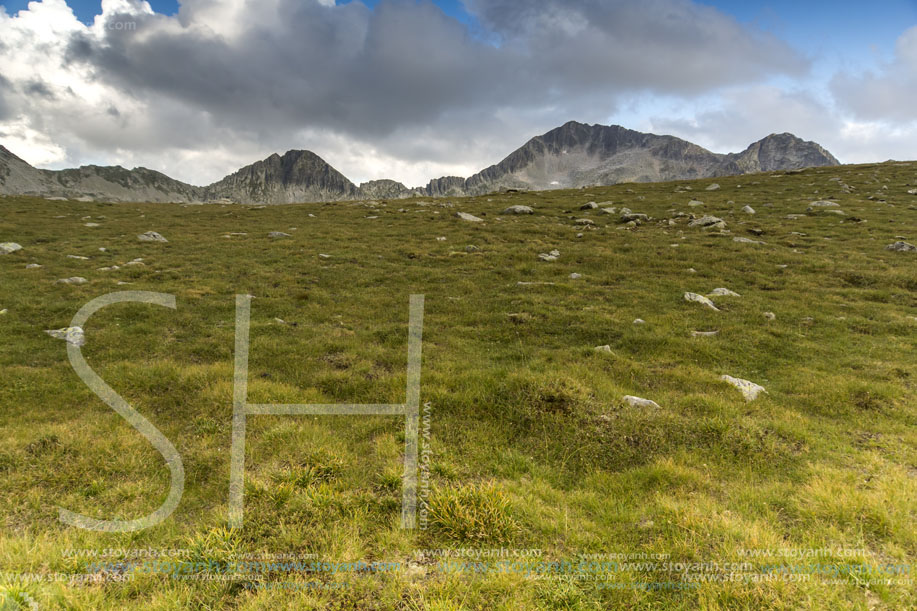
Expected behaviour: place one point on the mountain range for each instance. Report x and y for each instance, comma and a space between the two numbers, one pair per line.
571, 156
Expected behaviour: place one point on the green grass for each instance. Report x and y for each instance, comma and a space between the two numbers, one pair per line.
533, 446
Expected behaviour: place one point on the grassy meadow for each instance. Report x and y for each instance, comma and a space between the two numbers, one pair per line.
805, 498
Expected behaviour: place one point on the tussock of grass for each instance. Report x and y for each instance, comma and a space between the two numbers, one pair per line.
475, 513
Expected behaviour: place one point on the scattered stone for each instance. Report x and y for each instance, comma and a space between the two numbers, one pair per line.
468, 217
912, 191
713, 187
9, 247
471, 248
704, 333
611, 210
742, 240
837, 212
606, 348
638, 402
589, 206
750, 390
522, 283
721, 292
748, 210
770, 316
822, 204
441, 239
708, 222
137, 261
694, 297
639, 321
901, 247
3, 312
323, 256
72, 280
575, 276
634, 217
278, 234
71, 335
151, 236
92, 224
33, 266
585, 222
80, 257
518, 210
695, 203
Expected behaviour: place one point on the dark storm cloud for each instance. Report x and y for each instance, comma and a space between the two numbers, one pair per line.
371, 72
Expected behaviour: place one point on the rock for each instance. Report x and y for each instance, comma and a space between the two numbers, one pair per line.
80, 257
441, 239
92, 225
748, 210
71, 335
634, 217
639, 321
72, 280
713, 187
9, 247
3, 312
548, 256
33, 266
586, 222
611, 210
694, 203
901, 247
638, 402
747, 241
471, 248
912, 191
518, 210
694, 297
137, 261
323, 256
708, 222
837, 212
605, 348
113, 268
278, 234
151, 236
589, 206
704, 333
575, 276
822, 204
468, 217
750, 390
770, 316
721, 292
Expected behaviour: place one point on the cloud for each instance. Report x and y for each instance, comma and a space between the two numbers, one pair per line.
403, 88
885, 94
743, 115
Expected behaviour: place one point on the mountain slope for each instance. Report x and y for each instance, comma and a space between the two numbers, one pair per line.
577, 155
571, 156
297, 176
108, 183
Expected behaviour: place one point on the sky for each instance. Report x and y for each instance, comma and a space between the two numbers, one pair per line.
416, 89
